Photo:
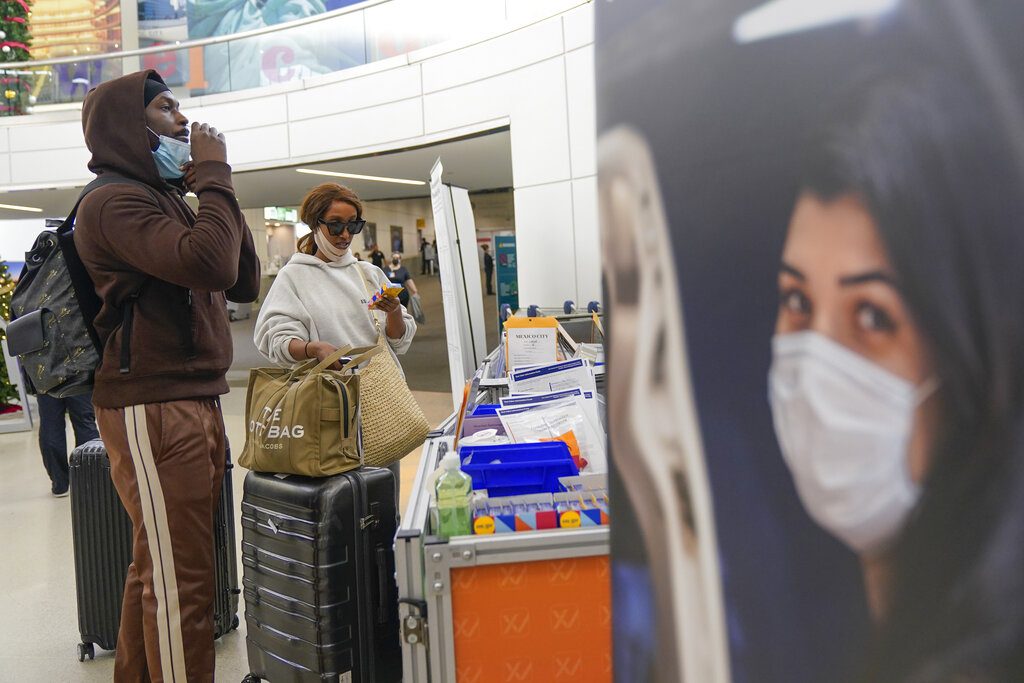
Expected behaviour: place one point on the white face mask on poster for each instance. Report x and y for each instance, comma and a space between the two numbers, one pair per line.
844, 426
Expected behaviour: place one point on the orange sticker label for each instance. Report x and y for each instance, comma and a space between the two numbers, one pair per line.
570, 519
483, 525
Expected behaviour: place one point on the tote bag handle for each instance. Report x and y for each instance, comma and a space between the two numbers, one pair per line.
322, 365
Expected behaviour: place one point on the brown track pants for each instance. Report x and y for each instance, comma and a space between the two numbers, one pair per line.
167, 463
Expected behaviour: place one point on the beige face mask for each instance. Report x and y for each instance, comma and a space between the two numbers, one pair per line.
324, 245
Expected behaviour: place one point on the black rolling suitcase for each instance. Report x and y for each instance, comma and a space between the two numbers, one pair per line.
102, 533
318, 576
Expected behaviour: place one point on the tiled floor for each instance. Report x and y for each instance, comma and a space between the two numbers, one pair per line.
38, 617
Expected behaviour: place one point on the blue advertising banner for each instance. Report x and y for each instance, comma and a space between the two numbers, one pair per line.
505, 268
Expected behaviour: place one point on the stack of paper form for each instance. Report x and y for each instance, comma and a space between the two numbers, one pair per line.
557, 402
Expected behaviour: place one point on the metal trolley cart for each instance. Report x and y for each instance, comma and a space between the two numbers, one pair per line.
526, 606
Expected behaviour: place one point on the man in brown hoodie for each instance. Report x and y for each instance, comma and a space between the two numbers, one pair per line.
162, 272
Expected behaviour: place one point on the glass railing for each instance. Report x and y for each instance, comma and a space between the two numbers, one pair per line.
255, 54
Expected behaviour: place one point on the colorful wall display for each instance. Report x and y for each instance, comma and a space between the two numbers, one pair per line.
69, 28
252, 62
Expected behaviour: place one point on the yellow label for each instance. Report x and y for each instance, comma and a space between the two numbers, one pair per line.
538, 322
570, 519
483, 525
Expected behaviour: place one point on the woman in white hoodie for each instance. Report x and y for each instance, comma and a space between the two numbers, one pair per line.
320, 298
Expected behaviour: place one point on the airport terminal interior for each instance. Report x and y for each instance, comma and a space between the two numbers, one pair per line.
668, 341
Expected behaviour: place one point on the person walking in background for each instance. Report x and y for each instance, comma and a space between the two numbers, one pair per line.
488, 269
423, 256
162, 273
53, 442
428, 257
400, 275
377, 256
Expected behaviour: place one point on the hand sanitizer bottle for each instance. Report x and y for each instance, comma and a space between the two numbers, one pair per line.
453, 488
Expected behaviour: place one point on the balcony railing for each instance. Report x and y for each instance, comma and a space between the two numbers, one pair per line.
266, 55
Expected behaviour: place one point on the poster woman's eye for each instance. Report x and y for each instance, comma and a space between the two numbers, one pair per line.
795, 302
871, 318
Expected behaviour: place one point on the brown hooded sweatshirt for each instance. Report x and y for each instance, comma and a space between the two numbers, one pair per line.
146, 250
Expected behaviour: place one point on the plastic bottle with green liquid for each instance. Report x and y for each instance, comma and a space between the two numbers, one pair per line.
453, 488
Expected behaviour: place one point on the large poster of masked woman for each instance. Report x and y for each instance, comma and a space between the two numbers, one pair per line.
812, 236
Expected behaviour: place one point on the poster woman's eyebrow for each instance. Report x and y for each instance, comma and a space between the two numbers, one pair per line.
786, 268
869, 276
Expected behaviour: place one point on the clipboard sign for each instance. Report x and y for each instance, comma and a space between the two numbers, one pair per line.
530, 341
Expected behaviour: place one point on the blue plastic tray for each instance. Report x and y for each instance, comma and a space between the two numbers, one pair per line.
523, 468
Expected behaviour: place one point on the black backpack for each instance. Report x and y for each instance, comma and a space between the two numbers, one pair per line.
53, 308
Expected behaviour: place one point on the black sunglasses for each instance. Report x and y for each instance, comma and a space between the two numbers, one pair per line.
354, 226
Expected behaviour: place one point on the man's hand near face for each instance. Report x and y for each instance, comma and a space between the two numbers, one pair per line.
208, 144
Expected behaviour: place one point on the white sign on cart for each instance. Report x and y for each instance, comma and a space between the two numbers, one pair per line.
455, 231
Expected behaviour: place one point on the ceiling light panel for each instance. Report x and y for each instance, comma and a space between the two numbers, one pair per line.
356, 176
15, 207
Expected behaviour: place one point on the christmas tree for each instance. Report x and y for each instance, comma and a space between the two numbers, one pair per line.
8, 392
15, 41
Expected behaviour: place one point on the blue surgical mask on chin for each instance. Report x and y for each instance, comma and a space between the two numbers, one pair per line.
170, 155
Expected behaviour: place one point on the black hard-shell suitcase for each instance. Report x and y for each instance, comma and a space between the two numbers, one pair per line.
102, 533
318, 576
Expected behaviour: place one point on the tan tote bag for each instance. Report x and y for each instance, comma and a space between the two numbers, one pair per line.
393, 423
305, 419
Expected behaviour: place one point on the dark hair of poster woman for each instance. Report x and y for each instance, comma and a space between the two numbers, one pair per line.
898, 374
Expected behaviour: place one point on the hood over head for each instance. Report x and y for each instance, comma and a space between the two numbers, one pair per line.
114, 123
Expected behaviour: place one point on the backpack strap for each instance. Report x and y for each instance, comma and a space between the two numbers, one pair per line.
127, 318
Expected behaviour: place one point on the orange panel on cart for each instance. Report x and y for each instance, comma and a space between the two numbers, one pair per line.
533, 621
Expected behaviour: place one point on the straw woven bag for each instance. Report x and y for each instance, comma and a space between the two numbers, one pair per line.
393, 423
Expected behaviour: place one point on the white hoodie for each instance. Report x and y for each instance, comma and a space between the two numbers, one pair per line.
316, 301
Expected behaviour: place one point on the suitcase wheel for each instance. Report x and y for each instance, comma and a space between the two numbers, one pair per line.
235, 623
251, 678
86, 650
